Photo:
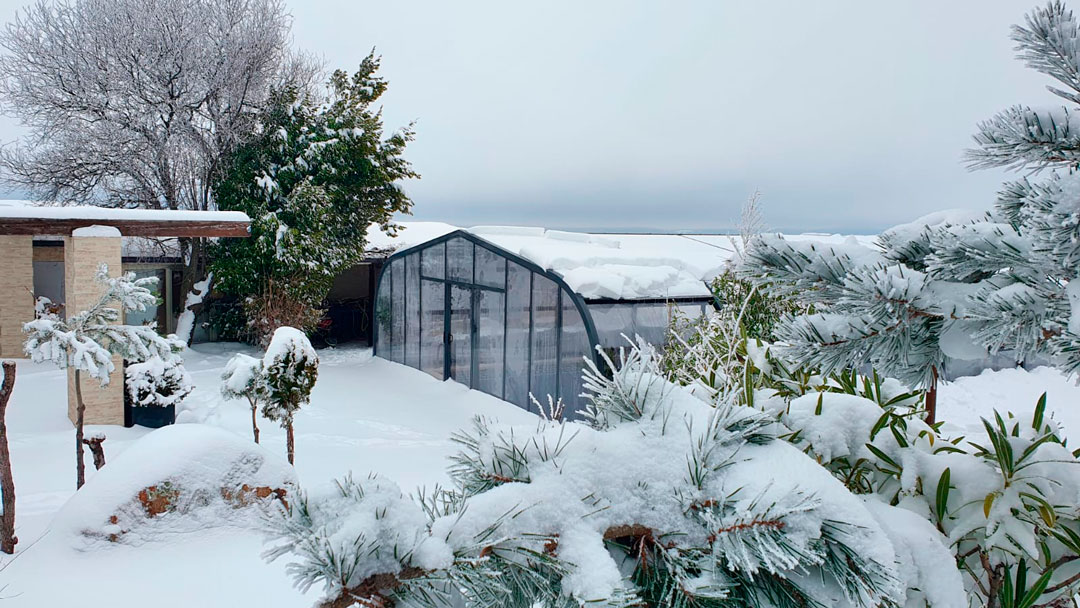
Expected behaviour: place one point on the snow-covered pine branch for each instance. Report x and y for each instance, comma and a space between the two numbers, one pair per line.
88, 339
667, 498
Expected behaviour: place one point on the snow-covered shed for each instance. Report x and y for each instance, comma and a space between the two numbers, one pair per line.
515, 311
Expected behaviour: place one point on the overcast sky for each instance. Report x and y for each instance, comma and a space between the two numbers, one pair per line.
847, 116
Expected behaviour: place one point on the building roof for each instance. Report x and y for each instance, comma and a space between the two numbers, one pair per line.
27, 218
606, 266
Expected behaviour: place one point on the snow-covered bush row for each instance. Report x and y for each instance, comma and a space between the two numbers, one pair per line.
665, 497
1005, 501
177, 479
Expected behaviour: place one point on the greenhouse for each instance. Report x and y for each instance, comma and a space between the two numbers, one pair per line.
514, 312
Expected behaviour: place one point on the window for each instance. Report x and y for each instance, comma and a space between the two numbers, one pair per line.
432, 327
490, 268
545, 337
518, 304
574, 346
459, 260
490, 310
397, 312
433, 261
412, 310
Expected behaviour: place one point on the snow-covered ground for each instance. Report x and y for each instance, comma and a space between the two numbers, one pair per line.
367, 414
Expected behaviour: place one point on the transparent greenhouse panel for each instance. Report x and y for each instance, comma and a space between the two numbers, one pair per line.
433, 261
651, 322
489, 342
383, 314
412, 310
545, 338
518, 290
397, 306
490, 268
461, 334
432, 327
459, 259
573, 349
612, 321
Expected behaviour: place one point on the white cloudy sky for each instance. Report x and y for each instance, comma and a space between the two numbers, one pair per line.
846, 115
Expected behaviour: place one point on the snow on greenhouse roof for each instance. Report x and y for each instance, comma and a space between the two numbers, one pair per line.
607, 266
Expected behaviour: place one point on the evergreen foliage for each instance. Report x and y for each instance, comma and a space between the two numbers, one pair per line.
313, 180
1000, 500
158, 382
289, 370
960, 285
662, 498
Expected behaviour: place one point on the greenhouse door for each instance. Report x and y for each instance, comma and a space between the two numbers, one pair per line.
459, 353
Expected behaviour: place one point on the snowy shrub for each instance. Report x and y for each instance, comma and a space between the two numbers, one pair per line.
158, 382
243, 378
289, 370
869, 432
315, 176
175, 480
665, 497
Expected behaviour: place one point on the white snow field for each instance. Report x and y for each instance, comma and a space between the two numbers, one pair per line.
367, 414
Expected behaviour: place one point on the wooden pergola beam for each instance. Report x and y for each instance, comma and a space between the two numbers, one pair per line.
37, 226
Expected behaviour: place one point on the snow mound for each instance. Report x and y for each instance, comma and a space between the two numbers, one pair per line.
176, 480
96, 231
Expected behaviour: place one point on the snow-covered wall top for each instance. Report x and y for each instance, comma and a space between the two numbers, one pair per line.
607, 266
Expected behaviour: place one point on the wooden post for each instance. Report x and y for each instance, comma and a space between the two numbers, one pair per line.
8, 539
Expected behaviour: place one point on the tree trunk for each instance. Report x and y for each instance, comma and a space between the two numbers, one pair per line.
195, 263
289, 440
254, 423
80, 410
931, 399
94, 443
8, 540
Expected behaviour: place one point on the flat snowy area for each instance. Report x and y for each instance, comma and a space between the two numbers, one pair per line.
367, 415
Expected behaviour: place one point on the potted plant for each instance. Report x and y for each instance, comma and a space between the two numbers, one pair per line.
154, 388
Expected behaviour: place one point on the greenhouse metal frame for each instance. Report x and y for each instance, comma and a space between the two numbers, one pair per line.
461, 307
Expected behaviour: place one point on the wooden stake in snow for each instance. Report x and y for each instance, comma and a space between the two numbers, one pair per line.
94, 443
7, 482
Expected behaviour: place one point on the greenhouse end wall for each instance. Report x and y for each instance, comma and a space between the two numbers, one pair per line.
460, 308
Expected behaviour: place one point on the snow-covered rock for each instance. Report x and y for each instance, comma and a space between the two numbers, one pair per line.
175, 480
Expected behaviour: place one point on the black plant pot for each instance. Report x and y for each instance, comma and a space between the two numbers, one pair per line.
150, 417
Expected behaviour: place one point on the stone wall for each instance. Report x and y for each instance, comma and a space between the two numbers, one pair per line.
16, 292
82, 257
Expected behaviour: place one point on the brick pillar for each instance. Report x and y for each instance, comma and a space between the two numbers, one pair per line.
16, 292
82, 257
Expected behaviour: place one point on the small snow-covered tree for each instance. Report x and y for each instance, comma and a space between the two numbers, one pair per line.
289, 370
87, 340
243, 378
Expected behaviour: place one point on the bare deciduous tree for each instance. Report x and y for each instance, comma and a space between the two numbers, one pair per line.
135, 103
